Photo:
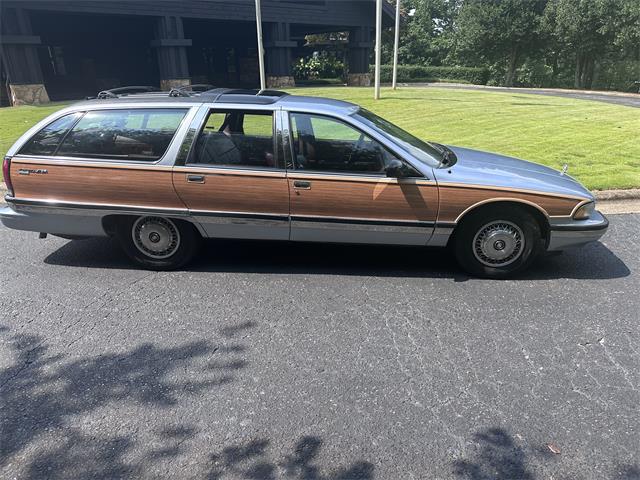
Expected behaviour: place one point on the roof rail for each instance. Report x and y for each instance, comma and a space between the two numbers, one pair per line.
196, 90
190, 89
123, 91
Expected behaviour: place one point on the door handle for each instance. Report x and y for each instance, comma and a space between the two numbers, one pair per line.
302, 184
195, 178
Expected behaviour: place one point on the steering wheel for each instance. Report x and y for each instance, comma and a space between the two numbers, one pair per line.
357, 146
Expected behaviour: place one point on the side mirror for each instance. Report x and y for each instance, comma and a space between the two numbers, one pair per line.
394, 169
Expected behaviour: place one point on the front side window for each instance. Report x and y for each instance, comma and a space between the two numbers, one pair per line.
236, 138
46, 141
328, 145
133, 134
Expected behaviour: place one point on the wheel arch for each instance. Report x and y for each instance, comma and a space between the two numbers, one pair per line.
111, 222
535, 210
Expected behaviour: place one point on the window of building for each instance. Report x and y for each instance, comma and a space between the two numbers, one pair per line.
46, 141
236, 138
134, 134
329, 145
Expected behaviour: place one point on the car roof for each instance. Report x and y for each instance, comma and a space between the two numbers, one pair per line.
288, 101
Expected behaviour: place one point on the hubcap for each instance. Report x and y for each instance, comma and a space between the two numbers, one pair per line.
156, 237
499, 243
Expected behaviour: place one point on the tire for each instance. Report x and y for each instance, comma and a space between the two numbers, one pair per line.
498, 242
158, 243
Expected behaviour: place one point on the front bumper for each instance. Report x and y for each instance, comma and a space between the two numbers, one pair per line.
573, 233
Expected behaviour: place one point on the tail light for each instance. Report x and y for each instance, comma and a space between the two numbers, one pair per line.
6, 174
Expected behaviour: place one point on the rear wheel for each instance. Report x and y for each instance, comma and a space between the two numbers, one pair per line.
158, 243
498, 242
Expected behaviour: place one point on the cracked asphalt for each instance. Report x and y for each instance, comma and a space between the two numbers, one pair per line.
318, 362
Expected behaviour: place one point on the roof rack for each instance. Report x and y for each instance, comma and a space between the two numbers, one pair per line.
213, 94
123, 91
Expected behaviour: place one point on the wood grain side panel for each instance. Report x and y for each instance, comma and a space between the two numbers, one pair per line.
455, 200
235, 193
113, 185
375, 200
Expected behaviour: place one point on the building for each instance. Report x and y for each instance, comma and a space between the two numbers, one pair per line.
62, 50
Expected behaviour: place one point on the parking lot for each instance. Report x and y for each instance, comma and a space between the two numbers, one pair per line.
317, 362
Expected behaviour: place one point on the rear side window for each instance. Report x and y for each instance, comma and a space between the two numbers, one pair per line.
46, 141
138, 134
237, 138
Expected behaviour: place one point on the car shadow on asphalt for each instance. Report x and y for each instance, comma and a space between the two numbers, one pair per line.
594, 261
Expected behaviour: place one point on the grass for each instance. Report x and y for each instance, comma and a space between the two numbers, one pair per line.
600, 142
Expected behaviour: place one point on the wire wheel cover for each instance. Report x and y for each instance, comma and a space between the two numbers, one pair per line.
498, 243
156, 237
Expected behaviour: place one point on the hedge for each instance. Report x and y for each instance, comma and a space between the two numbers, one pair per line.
419, 73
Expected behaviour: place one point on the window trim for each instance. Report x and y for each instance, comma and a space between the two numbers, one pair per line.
279, 162
338, 173
178, 136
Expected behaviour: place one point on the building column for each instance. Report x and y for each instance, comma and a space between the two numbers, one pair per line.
360, 45
172, 52
19, 52
278, 46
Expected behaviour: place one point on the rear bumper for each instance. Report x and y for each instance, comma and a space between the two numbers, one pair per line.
573, 233
50, 222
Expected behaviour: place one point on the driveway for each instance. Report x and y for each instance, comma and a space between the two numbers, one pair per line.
318, 362
628, 100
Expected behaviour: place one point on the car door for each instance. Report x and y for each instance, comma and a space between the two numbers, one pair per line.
232, 179
340, 191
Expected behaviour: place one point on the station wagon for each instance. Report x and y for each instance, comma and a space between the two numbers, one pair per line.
161, 171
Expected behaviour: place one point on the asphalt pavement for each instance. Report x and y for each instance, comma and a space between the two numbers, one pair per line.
618, 98
318, 362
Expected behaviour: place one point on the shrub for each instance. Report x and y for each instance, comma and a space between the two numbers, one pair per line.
419, 73
320, 65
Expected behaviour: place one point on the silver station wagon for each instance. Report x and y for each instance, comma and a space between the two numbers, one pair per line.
160, 171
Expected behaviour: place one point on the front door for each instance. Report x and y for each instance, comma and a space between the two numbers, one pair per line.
233, 181
340, 191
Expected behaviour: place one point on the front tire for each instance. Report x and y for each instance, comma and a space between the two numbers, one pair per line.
158, 243
498, 242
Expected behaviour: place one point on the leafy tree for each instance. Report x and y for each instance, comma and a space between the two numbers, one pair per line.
502, 32
585, 31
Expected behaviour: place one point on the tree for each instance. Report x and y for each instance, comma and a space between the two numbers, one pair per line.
585, 30
500, 32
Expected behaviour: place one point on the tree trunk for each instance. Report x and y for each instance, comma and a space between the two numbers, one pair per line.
588, 73
577, 76
511, 69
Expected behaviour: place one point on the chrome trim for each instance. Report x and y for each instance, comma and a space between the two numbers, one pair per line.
500, 199
88, 209
355, 177
192, 168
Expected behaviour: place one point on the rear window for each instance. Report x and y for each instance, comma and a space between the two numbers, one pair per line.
136, 134
46, 141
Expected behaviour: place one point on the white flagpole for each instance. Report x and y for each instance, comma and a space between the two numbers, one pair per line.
263, 83
378, 48
395, 46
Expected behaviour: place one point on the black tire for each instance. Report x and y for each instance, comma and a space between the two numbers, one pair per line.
478, 239
172, 243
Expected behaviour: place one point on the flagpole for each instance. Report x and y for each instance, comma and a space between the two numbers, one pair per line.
376, 94
395, 46
263, 83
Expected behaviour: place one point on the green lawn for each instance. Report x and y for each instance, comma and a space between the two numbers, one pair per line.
599, 141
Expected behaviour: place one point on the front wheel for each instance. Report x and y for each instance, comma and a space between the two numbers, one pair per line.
497, 243
158, 243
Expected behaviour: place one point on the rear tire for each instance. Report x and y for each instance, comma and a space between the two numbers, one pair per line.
158, 243
498, 242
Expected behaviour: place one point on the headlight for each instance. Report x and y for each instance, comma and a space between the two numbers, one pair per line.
585, 211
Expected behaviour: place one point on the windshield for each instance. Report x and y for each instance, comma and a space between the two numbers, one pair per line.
432, 154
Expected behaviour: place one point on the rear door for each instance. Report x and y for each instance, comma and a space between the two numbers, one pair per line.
340, 191
233, 179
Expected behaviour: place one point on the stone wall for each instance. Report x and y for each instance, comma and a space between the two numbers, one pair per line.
359, 80
280, 82
168, 84
33, 94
